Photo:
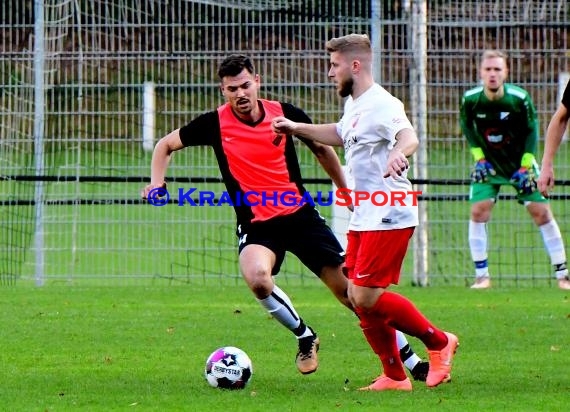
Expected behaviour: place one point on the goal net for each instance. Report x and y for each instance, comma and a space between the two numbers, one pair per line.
119, 74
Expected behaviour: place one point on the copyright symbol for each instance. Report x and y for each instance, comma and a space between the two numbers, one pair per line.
158, 196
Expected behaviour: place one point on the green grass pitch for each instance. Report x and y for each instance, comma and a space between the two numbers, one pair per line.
99, 337
143, 348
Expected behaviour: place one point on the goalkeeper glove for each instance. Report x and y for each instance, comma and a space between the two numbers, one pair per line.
481, 171
524, 180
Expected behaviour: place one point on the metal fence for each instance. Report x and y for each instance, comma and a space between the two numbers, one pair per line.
117, 75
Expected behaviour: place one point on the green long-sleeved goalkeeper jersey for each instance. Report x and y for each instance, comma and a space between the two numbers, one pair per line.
504, 129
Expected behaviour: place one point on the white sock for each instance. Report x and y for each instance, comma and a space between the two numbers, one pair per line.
554, 247
478, 247
280, 307
407, 356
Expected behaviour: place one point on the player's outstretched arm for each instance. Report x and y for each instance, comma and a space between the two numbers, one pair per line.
322, 133
329, 160
554, 133
160, 159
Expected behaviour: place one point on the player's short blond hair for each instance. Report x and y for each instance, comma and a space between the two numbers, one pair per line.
491, 54
359, 43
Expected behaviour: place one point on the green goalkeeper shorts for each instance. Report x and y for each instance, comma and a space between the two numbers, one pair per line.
479, 192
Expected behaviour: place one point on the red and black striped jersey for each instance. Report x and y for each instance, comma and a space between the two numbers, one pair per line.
252, 158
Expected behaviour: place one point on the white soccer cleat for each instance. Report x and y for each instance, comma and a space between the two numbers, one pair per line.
483, 282
564, 284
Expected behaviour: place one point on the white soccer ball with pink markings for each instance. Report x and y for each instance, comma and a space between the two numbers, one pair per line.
228, 367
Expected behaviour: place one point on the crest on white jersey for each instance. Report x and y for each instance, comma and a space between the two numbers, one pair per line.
355, 120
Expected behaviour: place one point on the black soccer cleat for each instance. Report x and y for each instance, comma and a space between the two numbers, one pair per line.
420, 371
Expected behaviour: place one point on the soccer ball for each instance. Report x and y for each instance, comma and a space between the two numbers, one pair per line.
228, 368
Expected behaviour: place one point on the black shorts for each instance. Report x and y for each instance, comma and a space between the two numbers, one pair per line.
303, 233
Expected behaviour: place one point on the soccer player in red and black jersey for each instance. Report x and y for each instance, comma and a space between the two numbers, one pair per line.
255, 160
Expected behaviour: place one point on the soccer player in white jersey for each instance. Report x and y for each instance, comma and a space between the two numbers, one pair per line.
557, 126
378, 138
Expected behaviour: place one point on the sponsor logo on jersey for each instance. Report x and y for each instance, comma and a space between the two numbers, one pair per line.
350, 141
495, 138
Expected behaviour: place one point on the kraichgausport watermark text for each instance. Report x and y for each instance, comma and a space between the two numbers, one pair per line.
341, 197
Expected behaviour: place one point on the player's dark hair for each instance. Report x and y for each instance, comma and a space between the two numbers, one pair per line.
234, 65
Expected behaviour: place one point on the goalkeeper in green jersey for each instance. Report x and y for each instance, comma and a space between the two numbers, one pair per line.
499, 121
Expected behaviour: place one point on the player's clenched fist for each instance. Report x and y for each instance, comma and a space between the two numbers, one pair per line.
545, 181
397, 163
283, 125
148, 189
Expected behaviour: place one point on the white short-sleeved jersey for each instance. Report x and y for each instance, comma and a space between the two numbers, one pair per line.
368, 129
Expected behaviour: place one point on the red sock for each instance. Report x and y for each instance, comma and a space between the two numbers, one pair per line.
402, 314
382, 340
